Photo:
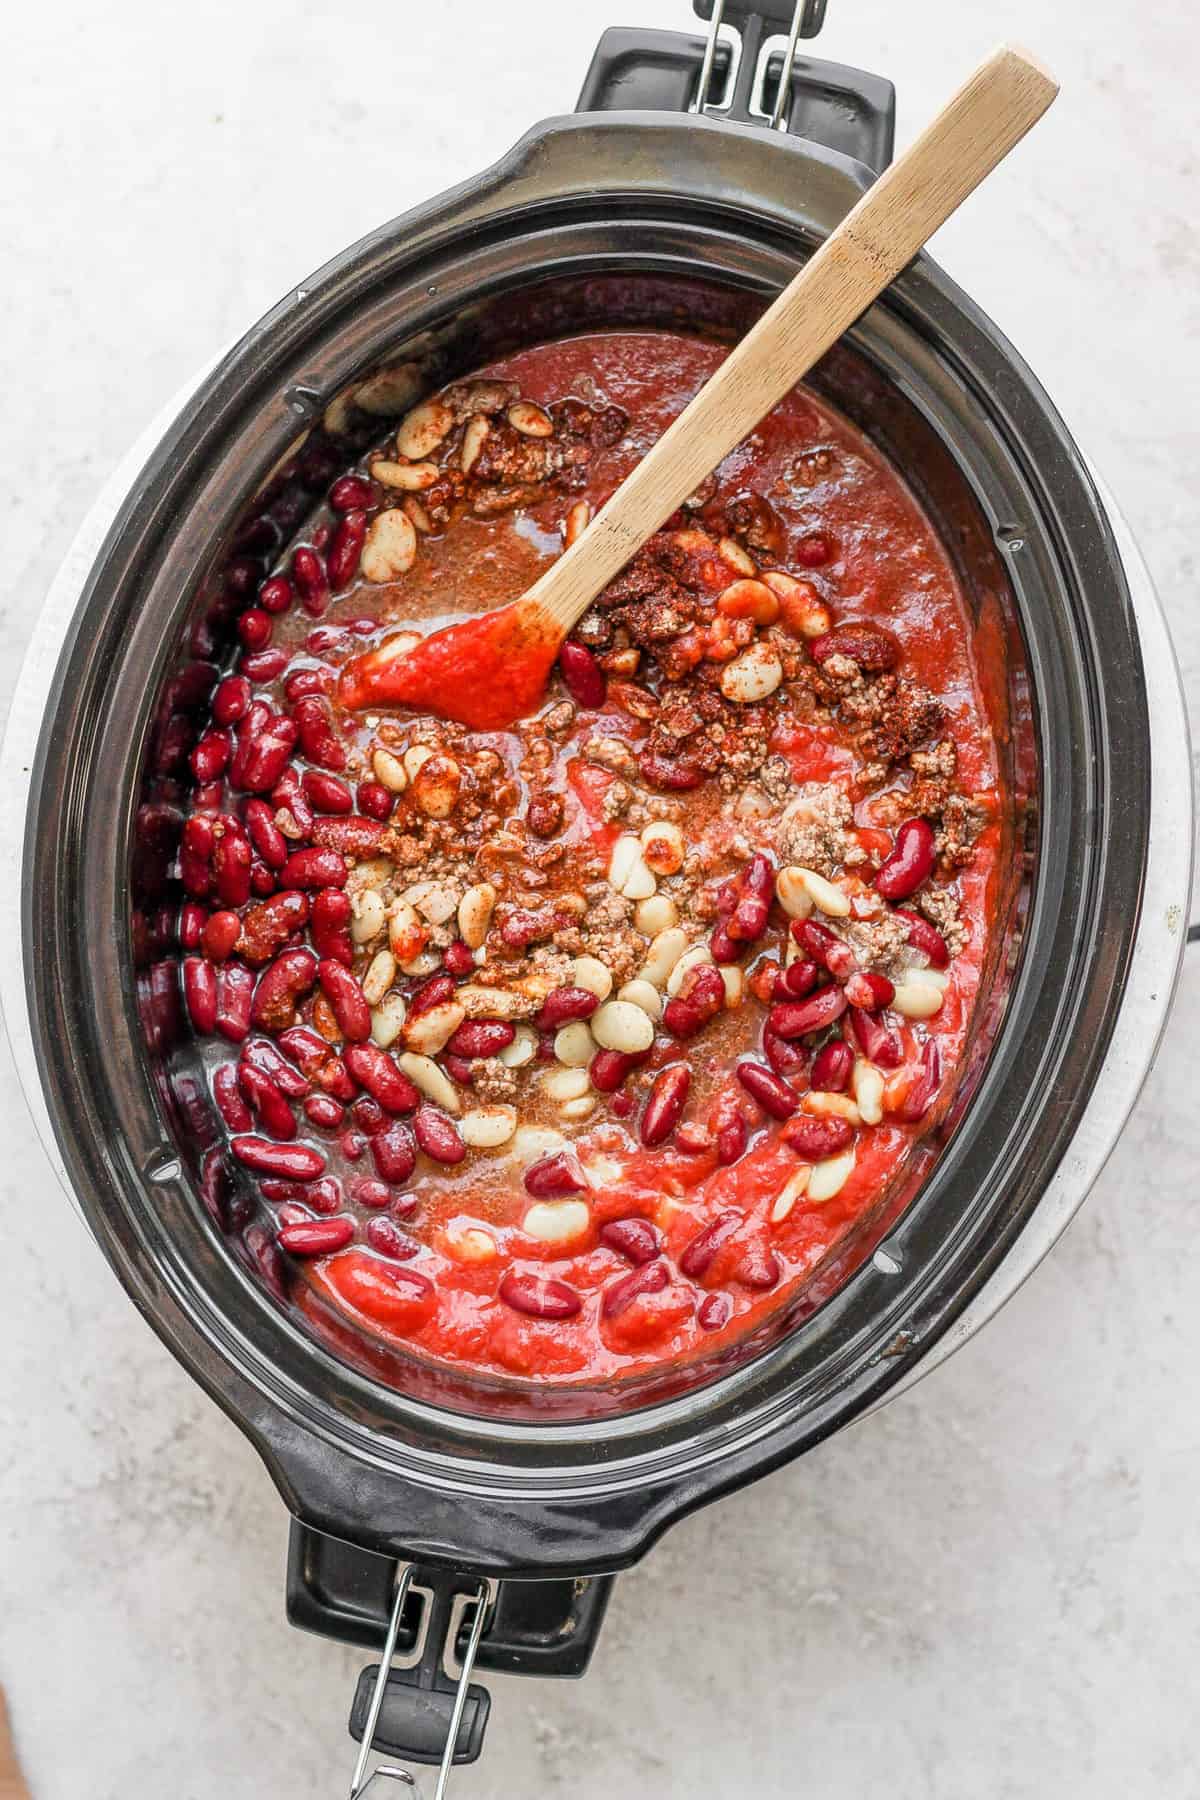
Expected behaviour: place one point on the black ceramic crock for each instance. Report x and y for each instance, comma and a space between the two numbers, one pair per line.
605, 217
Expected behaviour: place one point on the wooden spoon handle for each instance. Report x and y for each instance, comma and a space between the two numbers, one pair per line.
990, 113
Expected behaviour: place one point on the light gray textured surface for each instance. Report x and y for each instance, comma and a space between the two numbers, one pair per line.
990, 1589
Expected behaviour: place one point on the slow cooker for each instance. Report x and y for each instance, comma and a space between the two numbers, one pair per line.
441, 1524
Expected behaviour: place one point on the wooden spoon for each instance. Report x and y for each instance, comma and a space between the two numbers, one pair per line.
490, 670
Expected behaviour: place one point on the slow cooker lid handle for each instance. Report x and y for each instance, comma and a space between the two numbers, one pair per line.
433, 1702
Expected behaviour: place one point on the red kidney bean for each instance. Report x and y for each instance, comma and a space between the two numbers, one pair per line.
925, 937
288, 796
870, 991
375, 1195
195, 855
353, 837
325, 1196
700, 1252
795, 1018
664, 1107
325, 1111
316, 1237
609, 1068
673, 774
346, 549
635, 1239
798, 979
770, 1090
262, 879
258, 764
310, 580
347, 1000
232, 1107
292, 1162
267, 1101
374, 1070
758, 1266
319, 868
438, 1135
210, 758
824, 947
266, 928
583, 677
920, 1095
192, 918
394, 1153
553, 1176
368, 1114
235, 990
302, 683
481, 1037
231, 701
280, 986
375, 800
723, 947
279, 1192
208, 796
351, 493
276, 595
335, 1079
262, 665
458, 958
814, 1139
352, 1144
619, 1295
877, 1043
910, 863
522, 928
306, 1049
714, 1311
731, 1141
264, 834
434, 992
789, 1061
327, 793
231, 861
458, 1068
833, 1067
317, 738
221, 932
700, 998
329, 925
539, 1296
385, 1236
872, 648
262, 1055
255, 628
621, 1105
565, 1004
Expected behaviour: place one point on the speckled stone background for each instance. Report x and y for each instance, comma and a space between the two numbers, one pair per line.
991, 1589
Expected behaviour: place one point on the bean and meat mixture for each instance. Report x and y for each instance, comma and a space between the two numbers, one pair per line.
570, 1050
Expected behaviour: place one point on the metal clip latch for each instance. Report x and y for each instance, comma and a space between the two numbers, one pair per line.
482, 1601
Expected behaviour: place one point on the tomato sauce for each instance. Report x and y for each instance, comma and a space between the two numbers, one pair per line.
788, 672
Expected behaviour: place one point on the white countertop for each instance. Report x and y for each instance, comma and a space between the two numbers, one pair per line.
990, 1589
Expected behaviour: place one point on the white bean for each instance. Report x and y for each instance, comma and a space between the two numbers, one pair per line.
753, 675
832, 1106
475, 913
691, 959
379, 977
522, 1050
917, 999
565, 1084
644, 994
574, 1045
867, 1087
390, 546
431, 1081
388, 770
793, 1189
830, 1176
735, 983
556, 1221
792, 892
423, 429
826, 896
487, 1127
662, 847
466, 1241
590, 973
665, 951
656, 914
430, 1031
619, 1025
387, 1021
369, 916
